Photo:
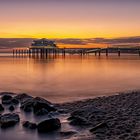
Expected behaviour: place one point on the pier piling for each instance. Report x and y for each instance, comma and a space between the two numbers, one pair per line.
106, 52
99, 53
119, 53
81, 51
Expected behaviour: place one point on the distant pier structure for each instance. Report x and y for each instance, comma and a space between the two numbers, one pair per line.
45, 47
39, 47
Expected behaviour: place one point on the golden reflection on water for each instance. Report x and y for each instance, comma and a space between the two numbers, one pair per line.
72, 78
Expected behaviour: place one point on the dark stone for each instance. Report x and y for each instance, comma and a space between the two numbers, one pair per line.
27, 105
22, 97
67, 133
41, 112
11, 108
124, 136
29, 125
77, 120
80, 112
7, 93
9, 120
15, 101
131, 138
38, 105
49, 125
1, 108
62, 111
71, 118
28, 109
99, 126
6, 99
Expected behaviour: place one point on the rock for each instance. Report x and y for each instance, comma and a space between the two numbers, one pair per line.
6, 99
1, 108
38, 105
27, 105
49, 125
131, 138
112, 118
99, 126
82, 116
62, 111
7, 93
15, 101
8, 120
29, 125
135, 134
77, 120
11, 108
41, 112
22, 97
67, 133
123, 136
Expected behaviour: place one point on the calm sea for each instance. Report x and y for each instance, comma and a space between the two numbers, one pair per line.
71, 78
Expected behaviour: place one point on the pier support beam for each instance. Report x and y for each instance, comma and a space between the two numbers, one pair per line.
119, 53
106, 52
83, 51
30, 52
46, 52
19, 52
16, 52
64, 52
13, 52
95, 53
99, 53
41, 52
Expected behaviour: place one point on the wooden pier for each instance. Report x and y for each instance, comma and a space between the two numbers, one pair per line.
74, 51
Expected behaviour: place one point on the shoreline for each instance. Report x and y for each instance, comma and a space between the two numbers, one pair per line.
114, 117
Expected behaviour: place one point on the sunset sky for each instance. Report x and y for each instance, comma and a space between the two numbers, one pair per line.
69, 18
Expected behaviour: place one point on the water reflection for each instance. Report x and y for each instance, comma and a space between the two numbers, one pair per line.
71, 78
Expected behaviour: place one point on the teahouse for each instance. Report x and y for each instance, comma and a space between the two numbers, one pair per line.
43, 43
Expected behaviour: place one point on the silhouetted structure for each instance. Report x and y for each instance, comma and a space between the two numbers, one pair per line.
48, 47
